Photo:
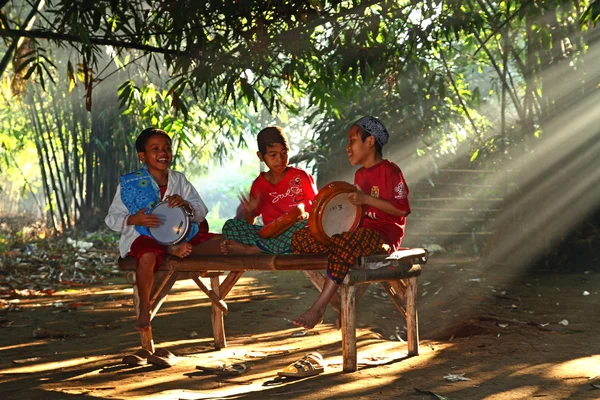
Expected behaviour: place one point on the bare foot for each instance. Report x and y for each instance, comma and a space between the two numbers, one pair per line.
310, 319
180, 250
234, 247
224, 246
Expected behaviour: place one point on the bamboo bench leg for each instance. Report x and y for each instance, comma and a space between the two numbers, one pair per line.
218, 324
159, 297
412, 320
350, 362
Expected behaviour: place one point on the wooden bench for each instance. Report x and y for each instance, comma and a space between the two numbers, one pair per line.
397, 273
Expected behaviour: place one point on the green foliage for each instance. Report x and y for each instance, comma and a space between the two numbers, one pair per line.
437, 74
591, 15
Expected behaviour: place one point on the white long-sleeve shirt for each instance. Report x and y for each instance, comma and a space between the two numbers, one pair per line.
118, 213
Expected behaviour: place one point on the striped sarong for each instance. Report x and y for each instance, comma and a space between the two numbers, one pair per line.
245, 233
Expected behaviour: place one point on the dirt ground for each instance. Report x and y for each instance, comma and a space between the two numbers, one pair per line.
500, 330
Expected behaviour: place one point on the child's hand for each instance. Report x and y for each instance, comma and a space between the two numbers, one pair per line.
358, 197
250, 203
142, 219
176, 200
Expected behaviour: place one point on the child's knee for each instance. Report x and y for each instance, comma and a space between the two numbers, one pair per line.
147, 260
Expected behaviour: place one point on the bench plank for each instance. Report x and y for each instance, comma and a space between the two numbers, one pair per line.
263, 262
389, 273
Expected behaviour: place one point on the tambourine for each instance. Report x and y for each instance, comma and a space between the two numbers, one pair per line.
283, 223
176, 223
333, 213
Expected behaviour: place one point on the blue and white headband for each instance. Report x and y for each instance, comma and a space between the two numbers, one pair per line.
374, 126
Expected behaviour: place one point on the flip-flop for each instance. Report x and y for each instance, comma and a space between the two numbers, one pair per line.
309, 365
140, 357
233, 369
163, 358
212, 367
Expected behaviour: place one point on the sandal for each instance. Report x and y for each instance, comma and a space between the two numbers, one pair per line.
140, 357
163, 358
212, 366
233, 369
309, 365
225, 369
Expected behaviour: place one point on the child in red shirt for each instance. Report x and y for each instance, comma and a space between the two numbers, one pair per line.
383, 193
273, 193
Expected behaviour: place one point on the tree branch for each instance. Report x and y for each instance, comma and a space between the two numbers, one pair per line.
102, 41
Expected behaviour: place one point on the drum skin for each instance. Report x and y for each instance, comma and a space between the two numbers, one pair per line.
283, 223
320, 207
176, 224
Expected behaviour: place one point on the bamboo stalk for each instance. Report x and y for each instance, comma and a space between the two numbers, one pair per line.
42, 166
64, 144
62, 193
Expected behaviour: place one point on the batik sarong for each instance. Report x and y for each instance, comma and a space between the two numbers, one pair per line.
344, 250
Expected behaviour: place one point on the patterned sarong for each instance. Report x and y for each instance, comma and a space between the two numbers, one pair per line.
344, 250
140, 190
245, 233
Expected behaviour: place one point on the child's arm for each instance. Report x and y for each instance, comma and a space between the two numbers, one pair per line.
250, 204
360, 197
117, 214
191, 199
119, 219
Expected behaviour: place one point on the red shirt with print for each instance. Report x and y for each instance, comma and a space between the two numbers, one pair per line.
385, 181
296, 187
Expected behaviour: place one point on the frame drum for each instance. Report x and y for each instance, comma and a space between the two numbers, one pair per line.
283, 223
332, 212
175, 225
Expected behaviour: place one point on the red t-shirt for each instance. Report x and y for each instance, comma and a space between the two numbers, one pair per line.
385, 181
296, 187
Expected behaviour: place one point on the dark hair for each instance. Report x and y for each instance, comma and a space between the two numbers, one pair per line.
142, 139
269, 136
364, 135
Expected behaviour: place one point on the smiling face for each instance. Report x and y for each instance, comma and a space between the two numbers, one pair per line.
157, 153
359, 151
276, 157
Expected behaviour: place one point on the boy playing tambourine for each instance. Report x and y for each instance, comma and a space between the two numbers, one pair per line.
137, 193
384, 195
273, 193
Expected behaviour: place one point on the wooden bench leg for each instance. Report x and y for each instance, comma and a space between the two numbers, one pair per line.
215, 299
412, 320
159, 297
350, 363
218, 324
398, 297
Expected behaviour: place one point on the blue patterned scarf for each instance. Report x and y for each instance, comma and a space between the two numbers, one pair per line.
140, 190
